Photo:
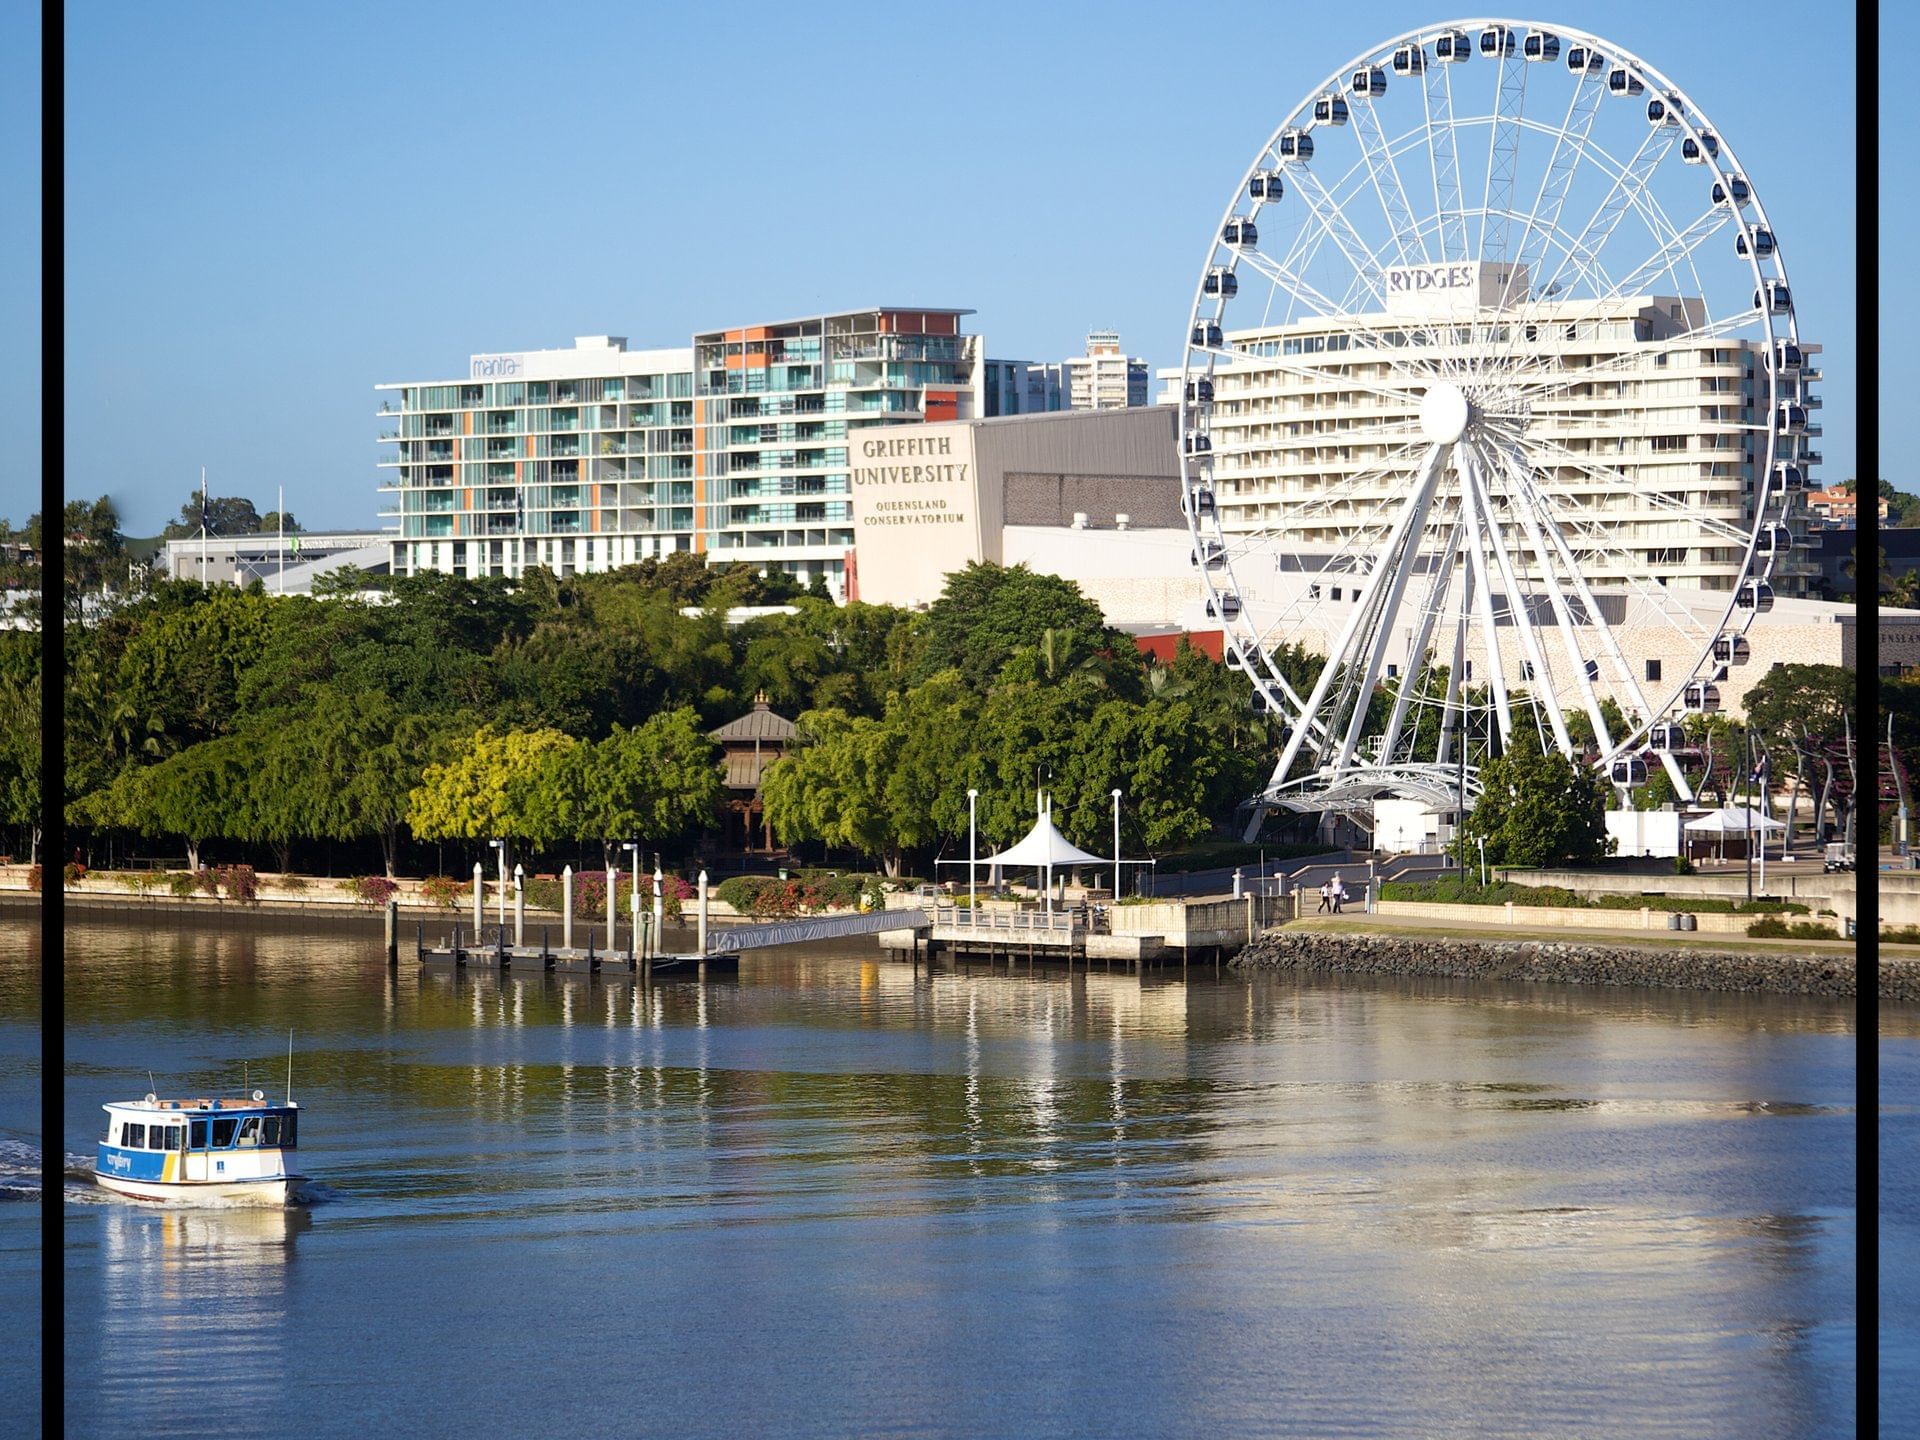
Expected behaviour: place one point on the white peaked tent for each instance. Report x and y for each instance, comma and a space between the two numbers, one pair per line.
1734, 820
1044, 847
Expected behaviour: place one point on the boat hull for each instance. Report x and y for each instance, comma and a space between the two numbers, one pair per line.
273, 1190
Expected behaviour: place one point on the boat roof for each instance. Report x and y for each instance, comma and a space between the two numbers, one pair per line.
203, 1105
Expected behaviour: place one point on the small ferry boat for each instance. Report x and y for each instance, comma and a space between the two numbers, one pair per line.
200, 1152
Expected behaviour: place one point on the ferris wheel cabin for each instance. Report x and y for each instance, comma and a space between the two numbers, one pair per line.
1453, 47
1624, 82
1668, 735
1762, 244
1629, 771
1754, 595
1296, 145
1542, 46
1369, 82
1264, 187
1734, 190
1702, 697
1409, 60
1731, 649
1585, 60
1698, 152
1330, 110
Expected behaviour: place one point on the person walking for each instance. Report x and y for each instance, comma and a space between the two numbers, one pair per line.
1339, 893
1326, 898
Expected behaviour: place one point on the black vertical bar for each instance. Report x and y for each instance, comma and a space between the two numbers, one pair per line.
1867, 473
53, 689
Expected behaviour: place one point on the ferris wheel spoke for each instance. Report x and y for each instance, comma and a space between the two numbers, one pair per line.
1356, 339
1545, 454
1444, 158
1503, 150
1409, 247
1584, 252
1527, 512
1676, 249
1558, 378
1590, 604
1366, 265
1569, 145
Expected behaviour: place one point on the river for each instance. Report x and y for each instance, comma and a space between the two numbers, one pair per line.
832, 1197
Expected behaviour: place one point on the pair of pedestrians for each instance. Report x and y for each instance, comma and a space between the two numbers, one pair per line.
1332, 894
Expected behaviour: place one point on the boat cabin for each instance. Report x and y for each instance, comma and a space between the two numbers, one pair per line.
185, 1141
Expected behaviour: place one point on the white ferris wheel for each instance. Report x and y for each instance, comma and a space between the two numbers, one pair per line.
1493, 396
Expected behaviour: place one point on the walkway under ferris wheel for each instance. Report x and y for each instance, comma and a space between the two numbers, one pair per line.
1494, 399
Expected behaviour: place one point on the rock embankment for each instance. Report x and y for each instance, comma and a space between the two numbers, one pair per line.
1582, 963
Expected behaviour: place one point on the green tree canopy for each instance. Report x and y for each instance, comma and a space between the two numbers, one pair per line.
1539, 808
489, 789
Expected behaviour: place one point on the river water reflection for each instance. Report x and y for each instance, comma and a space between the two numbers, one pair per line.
835, 1197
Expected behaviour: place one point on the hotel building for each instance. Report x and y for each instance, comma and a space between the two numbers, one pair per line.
1657, 432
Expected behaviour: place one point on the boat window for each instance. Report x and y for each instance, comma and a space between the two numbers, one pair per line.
249, 1131
175, 1134
134, 1136
223, 1133
199, 1134
270, 1130
288, 1129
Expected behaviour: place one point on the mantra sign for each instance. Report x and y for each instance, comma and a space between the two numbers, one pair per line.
496, 367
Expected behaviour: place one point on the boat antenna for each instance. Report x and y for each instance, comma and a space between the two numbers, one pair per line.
289, 1065
151, 1087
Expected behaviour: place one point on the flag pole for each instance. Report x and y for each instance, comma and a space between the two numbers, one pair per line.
280, 514
203, 525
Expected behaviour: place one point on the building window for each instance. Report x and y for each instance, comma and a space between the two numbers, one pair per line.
1653, 669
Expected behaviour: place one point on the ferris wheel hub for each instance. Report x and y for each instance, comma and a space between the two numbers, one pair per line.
1444, 413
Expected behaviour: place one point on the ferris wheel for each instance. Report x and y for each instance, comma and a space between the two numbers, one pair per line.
1494, 404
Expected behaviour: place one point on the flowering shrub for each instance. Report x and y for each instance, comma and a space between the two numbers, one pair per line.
73, 871
370, 889
208, 882
240, 883
180, 882
441, 890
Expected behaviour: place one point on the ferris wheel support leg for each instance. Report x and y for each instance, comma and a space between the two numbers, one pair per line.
1416, 654
1477, 568
1540, 692
1455, 705
1415, 502
1401, 568
1533, 524
1681, 787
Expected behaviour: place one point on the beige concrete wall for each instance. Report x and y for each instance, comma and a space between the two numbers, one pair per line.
1555, 917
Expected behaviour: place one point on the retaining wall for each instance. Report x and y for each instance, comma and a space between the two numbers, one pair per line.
1572, 963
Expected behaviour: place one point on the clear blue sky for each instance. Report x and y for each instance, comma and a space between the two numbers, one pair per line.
272, 208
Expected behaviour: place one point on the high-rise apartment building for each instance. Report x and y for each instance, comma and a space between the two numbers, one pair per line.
1105, 378
777, 405
597, 456
577, 459
1020, 387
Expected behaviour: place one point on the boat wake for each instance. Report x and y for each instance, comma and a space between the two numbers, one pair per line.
20, 1174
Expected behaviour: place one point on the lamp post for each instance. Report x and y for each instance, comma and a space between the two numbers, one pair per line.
973, 887
1116, 847
1747, 810
500, 848
633, 899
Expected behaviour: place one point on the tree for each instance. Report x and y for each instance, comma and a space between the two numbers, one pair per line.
20, 738
270, 523
488, 789
1792, 698
223, 515
987, 612
653, 782
1539, 808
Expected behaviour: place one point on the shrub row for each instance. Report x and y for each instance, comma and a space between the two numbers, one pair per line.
1500, 892
1772, 927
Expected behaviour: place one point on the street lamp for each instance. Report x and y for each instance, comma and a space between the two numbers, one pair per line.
633, 898
1116, 847
500, 846
973, 888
